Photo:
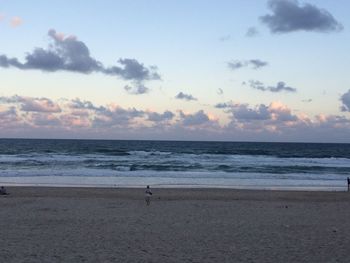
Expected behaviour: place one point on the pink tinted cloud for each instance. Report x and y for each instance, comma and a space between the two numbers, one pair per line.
39, 105
16, 21
273, 122
73, 122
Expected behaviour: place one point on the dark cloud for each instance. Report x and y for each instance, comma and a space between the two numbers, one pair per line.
243, 112
236, 65
78, 104
117, 117
274, 114
223, 105
183, 96
197, 118
133, 70
289, 15
280, 86
252, 32
345, 99
70, 54
254, 63
160, 117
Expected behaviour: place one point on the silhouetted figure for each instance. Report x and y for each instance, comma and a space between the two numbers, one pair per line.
348, 184
148, 194
3, 191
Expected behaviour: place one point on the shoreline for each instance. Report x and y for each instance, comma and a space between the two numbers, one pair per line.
185, 187
183, 183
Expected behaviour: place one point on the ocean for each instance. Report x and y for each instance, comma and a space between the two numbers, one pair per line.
240, 165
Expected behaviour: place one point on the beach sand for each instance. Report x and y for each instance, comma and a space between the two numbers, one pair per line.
41, 224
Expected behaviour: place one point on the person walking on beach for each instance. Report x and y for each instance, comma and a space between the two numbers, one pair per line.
148, 194
348, 184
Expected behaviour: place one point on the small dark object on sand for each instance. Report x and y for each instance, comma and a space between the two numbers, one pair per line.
3, 191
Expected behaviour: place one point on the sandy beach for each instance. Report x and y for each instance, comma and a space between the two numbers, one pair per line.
41, 224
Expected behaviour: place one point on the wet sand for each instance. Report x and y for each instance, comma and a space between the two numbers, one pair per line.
41, 224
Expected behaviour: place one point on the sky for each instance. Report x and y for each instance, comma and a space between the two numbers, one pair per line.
259, 70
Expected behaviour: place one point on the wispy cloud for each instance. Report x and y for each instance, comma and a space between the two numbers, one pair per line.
252, 32
307, 100
253, 63
225, 38
280, 86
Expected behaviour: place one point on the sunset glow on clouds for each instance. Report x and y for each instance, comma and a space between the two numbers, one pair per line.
269, 76
83, 117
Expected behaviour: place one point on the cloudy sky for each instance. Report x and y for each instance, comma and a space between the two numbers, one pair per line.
238, 70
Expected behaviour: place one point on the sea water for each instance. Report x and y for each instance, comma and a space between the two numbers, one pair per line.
241, 165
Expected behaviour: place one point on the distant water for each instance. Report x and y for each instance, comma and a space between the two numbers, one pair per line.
248, 165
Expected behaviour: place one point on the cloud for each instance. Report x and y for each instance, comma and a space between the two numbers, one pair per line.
275, 113
78, 104
183, 96
40, 105
116, 117
262, 122
235, 65
160, 117
223, 105
197, 118
8, 117
29, 104
16, 21
251, 32
280, 112
225, 38
67, 53
133, 70
254, 63
39, 119
136, 89
243, 112
289, 16
280, 86
345, 99
307, 100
